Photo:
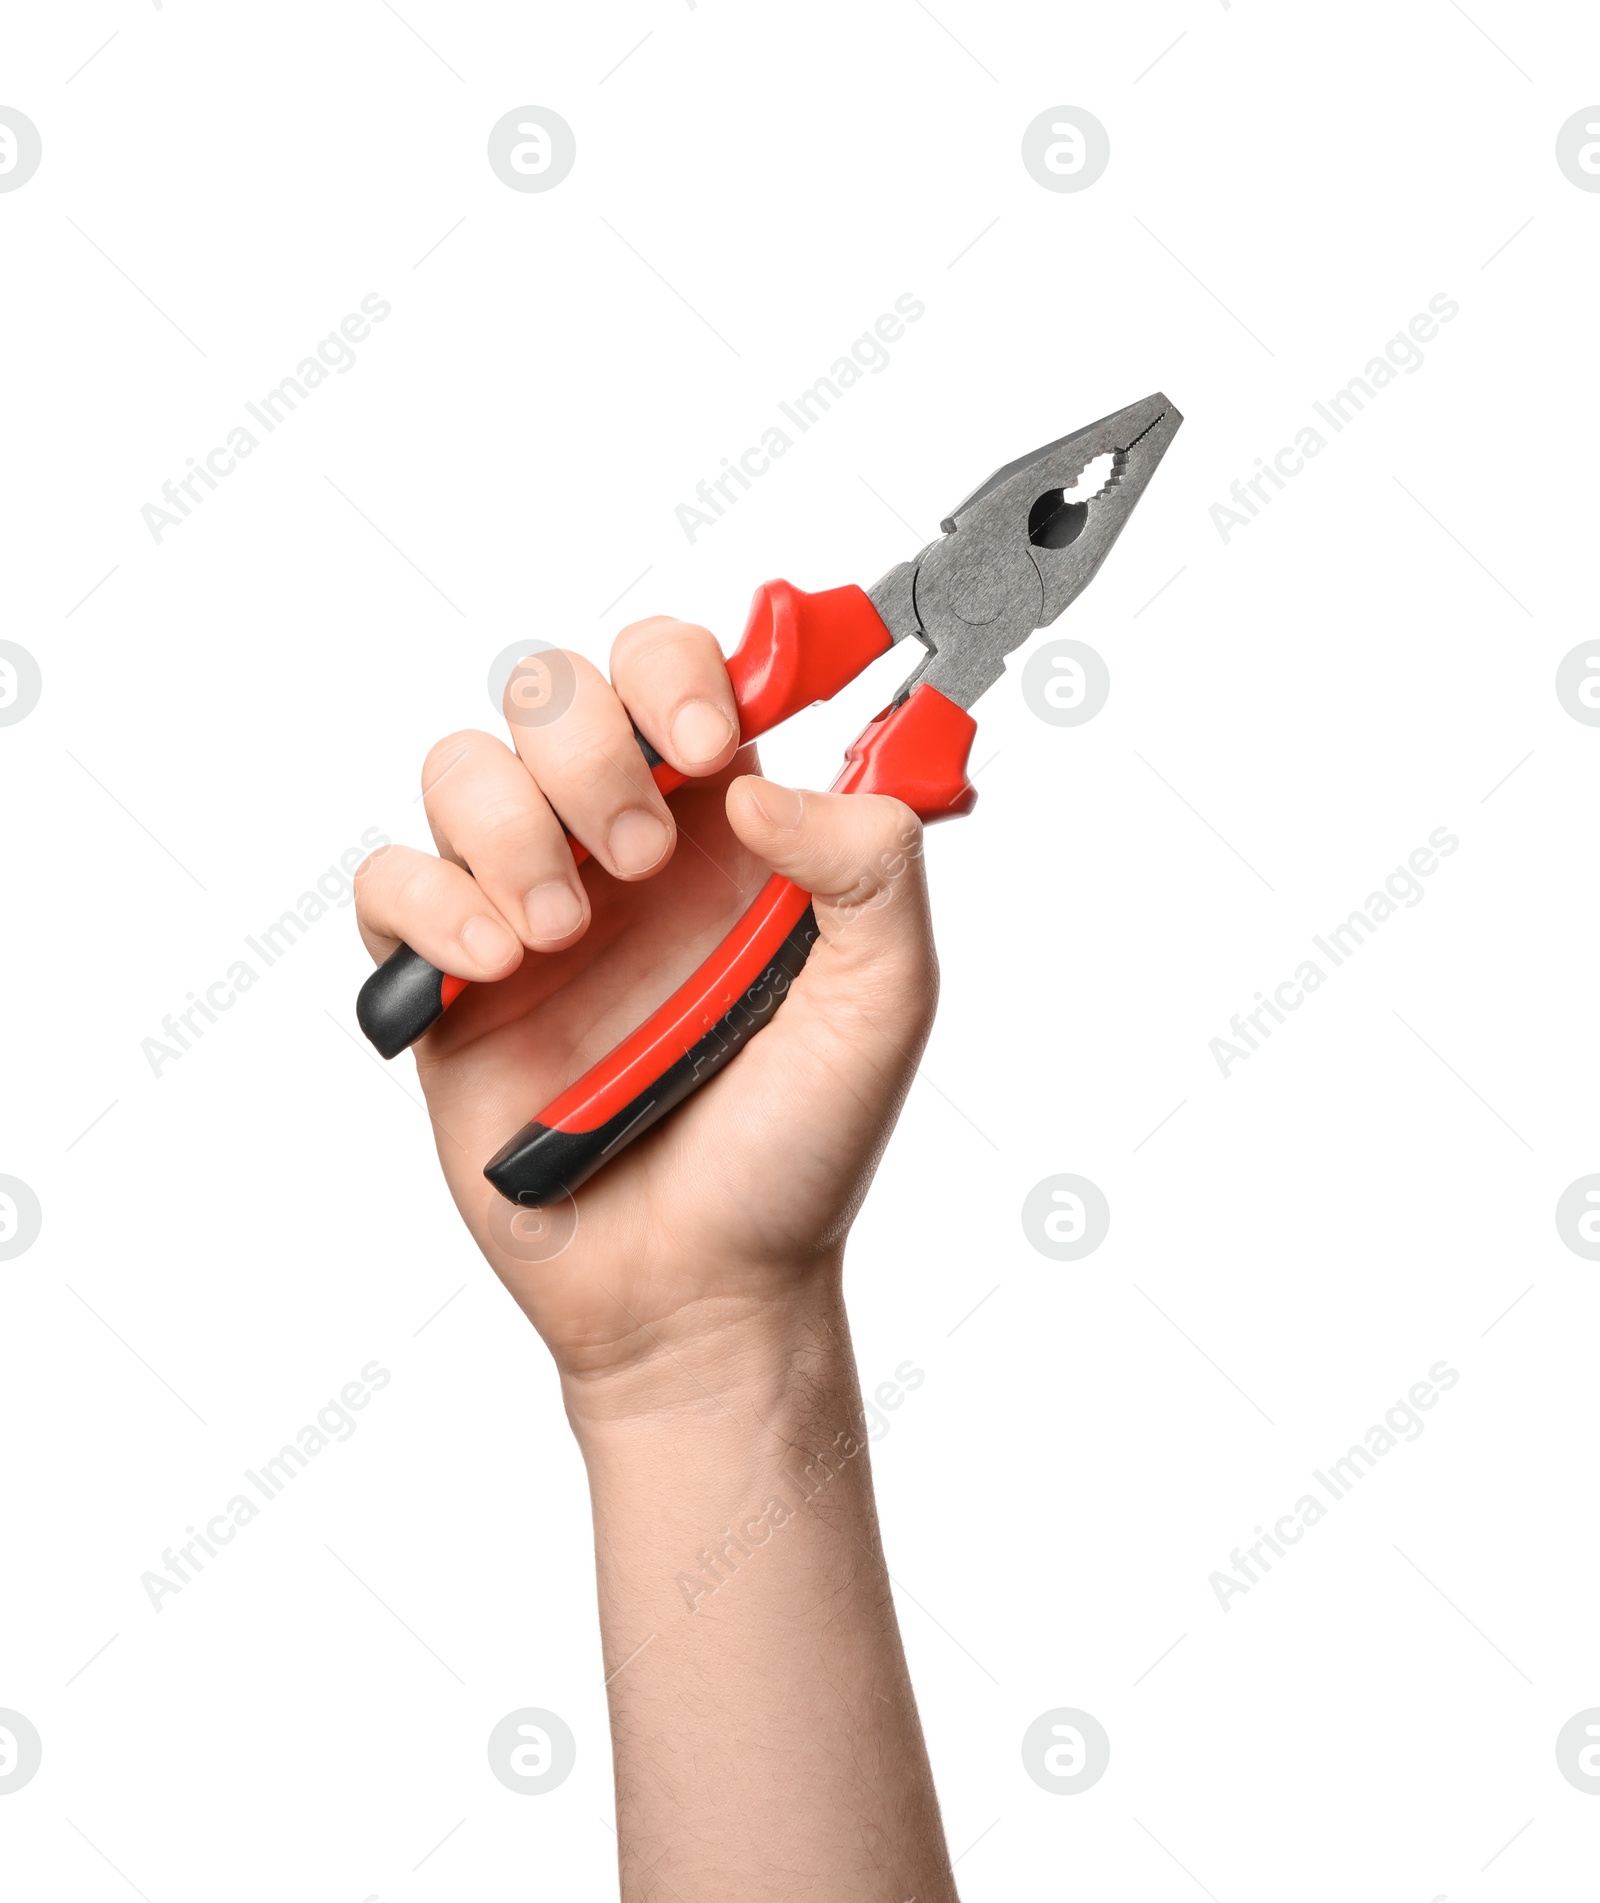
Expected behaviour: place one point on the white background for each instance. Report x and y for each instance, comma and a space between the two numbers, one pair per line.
226, 712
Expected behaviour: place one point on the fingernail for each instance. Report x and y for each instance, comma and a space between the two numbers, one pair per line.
638, 841
554, 911
700, 731
781, 805
488, 943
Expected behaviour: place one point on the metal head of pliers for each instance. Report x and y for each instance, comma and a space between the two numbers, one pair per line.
1021, 548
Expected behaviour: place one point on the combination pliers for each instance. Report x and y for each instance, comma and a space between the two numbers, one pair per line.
1010, 558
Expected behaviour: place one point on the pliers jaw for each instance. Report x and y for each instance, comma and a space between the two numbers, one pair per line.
1020, 549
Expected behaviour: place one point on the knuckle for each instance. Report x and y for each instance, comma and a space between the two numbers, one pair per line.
504, 825
560, 755
414, 890
560, 750
654, 631
541, 688
895, 828
889, 846
601, 784
368, 867
663, 650
893, 841
640, 634
447, 754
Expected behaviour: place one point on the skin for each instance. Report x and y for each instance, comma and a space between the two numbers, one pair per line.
765, 1735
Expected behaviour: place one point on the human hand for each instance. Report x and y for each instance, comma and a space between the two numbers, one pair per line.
731, 1214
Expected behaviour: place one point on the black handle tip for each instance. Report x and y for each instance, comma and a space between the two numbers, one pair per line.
401, 999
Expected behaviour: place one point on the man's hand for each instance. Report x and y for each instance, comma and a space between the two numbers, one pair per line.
764, 1730
746, 1191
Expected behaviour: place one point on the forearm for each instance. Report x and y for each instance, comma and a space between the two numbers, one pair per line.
765, 1735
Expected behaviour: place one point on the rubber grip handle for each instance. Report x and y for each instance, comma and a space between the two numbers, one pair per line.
701, 1026
916, 751
796, 649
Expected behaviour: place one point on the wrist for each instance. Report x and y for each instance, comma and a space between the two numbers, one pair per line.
739, 1361
757, 1442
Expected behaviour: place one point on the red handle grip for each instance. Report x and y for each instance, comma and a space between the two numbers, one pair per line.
797, 649
918, 752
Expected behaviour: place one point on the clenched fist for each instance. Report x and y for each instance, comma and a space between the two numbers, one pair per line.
733, 1211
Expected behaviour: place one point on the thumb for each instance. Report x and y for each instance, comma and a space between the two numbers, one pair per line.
860, 857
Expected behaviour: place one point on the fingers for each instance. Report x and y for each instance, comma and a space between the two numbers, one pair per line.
669, 681
860, 857
671, 678
507, 879
436, 908
489, 816
589, 768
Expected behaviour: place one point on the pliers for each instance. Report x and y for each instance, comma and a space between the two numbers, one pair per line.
1010, 558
